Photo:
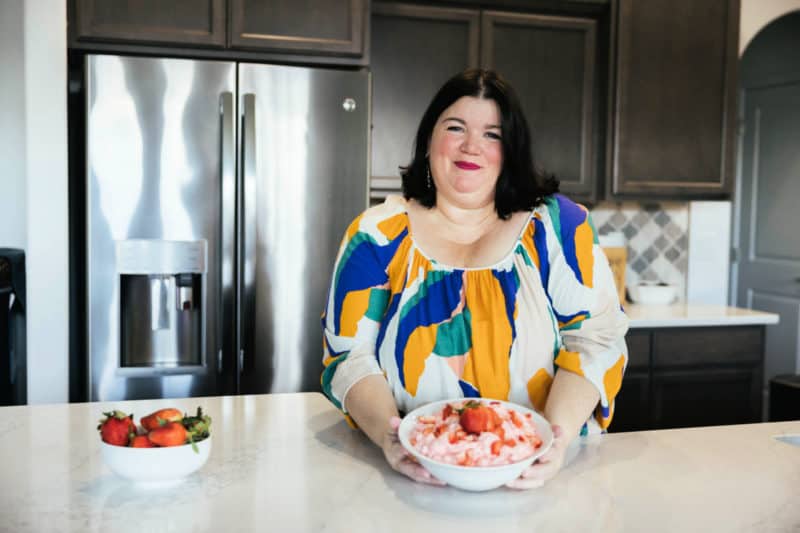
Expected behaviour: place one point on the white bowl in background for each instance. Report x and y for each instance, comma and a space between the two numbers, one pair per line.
653, 294
474, 478
166, 465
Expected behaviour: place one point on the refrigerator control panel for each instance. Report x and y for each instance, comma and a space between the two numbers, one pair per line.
151, 256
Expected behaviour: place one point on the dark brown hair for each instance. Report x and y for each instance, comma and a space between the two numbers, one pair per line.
520, 187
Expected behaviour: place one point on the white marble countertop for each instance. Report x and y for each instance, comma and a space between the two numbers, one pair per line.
687, 315
289, 462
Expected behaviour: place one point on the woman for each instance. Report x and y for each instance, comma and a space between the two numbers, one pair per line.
481, 282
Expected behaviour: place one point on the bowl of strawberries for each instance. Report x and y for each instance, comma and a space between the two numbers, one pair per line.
475, 444
164, 448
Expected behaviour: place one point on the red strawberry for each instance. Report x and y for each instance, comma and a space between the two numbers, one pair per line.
117, 428
161, 417
496, 446
170, 434
478, 419
447, 411
141, 441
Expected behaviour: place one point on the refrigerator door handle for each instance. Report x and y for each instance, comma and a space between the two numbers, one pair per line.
228, 223
247, 250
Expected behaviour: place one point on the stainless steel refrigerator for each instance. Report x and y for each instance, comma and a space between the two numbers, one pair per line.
217, 194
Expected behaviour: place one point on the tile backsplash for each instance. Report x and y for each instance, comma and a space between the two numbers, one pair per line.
657, 239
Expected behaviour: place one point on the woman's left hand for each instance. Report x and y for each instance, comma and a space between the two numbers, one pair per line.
546, 466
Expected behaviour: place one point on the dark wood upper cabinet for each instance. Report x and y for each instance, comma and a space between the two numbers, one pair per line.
326, 27
187, 22
550, 61
414, 50
675, 98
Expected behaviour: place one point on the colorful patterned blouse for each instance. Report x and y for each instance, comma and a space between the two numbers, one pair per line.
436, 332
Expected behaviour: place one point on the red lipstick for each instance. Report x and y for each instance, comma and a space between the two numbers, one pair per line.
465, 165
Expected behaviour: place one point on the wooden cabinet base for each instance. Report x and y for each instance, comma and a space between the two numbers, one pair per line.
689, 377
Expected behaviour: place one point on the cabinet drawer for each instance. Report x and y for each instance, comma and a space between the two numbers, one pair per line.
638, 342
713, 345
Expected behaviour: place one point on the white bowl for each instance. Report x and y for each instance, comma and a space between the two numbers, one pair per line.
474, 478
651, 294
156, 465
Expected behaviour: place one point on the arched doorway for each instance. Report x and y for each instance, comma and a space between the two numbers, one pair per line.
767, 233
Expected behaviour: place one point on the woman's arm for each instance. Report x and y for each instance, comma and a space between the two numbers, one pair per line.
592, 356
371, 405
571, 401
357, 300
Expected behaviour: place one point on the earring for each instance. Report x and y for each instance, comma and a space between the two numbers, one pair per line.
430, 182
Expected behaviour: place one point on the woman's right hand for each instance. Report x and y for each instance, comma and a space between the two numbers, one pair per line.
399, 458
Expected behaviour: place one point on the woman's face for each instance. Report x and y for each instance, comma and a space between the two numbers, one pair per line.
466, 152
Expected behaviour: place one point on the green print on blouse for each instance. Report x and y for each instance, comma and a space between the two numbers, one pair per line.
378, 300
454, 337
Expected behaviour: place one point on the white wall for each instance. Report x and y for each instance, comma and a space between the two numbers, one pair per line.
33, 180
48, 218
755, 14
13, 193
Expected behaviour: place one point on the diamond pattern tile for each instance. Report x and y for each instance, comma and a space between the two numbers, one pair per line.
629, 230
640, 219
673, 231
649, 275
657, 239
617, 220
639, 265
672, 254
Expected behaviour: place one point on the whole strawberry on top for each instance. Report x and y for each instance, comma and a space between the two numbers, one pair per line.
160, 418
476, 418
117, 428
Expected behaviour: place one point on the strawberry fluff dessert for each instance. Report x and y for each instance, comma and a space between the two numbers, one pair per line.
475, 433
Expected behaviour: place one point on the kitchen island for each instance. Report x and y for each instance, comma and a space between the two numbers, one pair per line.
289, 462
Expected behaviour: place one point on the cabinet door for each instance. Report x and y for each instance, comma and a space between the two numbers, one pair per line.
414, 50
550, 62
193, 22
675, 98
327, 27
632, 404
706, 397
638, 342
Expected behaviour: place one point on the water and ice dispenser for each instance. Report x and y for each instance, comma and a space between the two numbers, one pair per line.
162, 305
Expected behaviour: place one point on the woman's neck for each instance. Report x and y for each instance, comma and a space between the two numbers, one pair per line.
464, 224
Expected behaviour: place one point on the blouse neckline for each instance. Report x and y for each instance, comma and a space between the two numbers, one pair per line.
494, 266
